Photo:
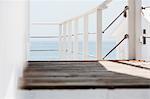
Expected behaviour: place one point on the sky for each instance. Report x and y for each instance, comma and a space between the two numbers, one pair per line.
60, 10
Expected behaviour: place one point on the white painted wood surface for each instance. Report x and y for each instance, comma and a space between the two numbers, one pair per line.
76, 42
60, 38
134, 29
64, 40
85, 37
131, 29
99, 34
69, 39
138, 29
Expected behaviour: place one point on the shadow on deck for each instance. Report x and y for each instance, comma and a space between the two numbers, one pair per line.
76, 75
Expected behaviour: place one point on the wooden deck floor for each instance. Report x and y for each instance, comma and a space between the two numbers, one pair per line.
77, 75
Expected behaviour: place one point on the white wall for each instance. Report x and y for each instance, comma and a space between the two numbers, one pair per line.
12, 43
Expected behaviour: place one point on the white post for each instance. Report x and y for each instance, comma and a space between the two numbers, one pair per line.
99, 34
85, 43
76, 52
138, 29
67, 41
134, 29
70, 38
64, 39
60, 38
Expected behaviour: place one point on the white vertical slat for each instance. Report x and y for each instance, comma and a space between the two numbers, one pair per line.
76, 50
69, 41
64, 39
71, 38
99, 34
131, 29
60, 38
67, 36
85, 43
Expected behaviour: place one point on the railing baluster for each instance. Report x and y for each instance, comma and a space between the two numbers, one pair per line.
99, 34
76, 46
69, 38
64, 38
85, 43
60, 39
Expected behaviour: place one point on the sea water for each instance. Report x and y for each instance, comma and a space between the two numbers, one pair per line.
55, 55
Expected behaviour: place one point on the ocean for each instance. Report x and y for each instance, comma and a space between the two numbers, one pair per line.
42, 55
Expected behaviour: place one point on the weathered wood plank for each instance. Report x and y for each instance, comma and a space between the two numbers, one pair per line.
77, 75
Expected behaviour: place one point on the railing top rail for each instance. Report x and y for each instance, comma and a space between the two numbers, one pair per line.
101, 6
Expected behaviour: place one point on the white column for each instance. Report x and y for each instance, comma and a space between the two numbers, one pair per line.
76, 50
99, 34
85, 43
138, 29
134, 29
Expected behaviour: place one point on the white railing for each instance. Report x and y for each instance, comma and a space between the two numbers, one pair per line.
69, 32
69, 47
66, 33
